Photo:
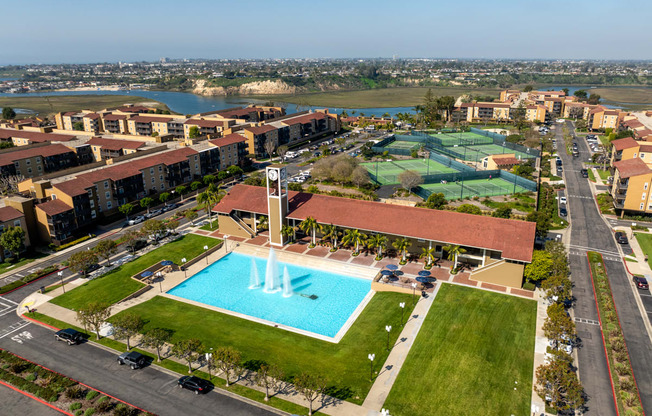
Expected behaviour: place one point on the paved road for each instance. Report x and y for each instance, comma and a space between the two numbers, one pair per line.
14, 403
590, 232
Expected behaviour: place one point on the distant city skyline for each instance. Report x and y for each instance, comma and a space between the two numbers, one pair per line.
73, 32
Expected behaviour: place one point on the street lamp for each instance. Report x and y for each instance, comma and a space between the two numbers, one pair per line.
414, 292
60, 274
159, 276
371, 361
388, 328
185, 275
205, 250
402, 305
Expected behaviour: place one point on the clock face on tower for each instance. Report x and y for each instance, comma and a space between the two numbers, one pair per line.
272, 175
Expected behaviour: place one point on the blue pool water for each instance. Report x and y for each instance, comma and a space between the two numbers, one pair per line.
225, 284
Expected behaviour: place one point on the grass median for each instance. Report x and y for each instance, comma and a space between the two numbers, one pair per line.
344, 365
474, 355
118, 284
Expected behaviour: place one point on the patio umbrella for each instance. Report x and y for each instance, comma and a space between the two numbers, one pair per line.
391, 267
423, 279
146, 274
386, 273
424, 273
167, 263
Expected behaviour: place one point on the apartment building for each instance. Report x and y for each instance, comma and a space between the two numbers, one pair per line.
554, 105
631, 186
536, 113
638, 129
11, 217
601, 118
37, 161
104, 149
55, 222
25, 138
233, 150
146, 125
257, 137
206, 127
577, 110
92, 122
509, 96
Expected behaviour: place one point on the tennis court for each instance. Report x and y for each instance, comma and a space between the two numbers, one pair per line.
402, 144
462, 138
478, 152
387, 172
474, 187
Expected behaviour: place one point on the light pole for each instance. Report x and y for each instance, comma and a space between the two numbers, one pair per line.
209, 356
402, 305
183, 261
60, 274
414, 292
388, 328
159, 276
371, 367
205, 250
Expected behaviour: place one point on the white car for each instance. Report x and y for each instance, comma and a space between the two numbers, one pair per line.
562, 200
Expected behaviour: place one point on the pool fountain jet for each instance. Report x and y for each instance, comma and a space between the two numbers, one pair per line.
287, 284
272, 283
254, 278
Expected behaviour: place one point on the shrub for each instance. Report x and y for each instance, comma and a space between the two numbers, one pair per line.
91, 395
122, 410
103, 405
628, 385
31, 377
529, 286
79, 412
621, 357
18, 368
75, 392
75, 406
622, 369
89, 412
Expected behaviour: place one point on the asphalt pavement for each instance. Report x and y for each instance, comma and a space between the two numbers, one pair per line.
15, 403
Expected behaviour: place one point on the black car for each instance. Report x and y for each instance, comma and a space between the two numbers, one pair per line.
584, 173
134, 359
563, 212
196, 384
641, 282
90, 268
69, 335
621, 238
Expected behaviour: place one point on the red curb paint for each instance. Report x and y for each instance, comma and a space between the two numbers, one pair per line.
604, 345
31, 396
40, 323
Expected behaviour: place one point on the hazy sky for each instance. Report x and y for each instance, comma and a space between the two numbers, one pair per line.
88, 31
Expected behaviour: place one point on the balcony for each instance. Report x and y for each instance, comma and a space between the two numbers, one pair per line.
619, 203
622, 186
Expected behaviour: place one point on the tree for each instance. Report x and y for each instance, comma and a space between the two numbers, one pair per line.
93, 315
503, 211
340, 141
173, 225
80, 262
188, 350
269, 376
146, 203
181, 190
281, 151
559, 386
287, 231
209, 200
566, 90
436, 201
8, 113
126, 326
235, 171
9, 183
528, 88
542, 220
154, 228
193, 132
310, 387
360, 176
593, 99
379, 242
270, 146
191, 216
331, 232
228, 359
402, 245
429, 254
557, 252
12, 239
539, 268
557, 287
78, 126
156, 338
309, 225
163, 197
195, 185
342, 171
208, 179
354, 237
126, 209
558, 326
131, 240
454, 251
581, 94
469, 209
105, 249
410, 179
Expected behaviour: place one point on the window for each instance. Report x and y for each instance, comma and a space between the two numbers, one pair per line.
642, 205
160, 178
153, 179
38, 159
54, 196
92, 203
645, 186
642, 155
28, 162
643, 196
162, 187
106, 184
195, 157
93, 214
151, 171
160, 168
108, 205
29, 170
634, 154
39, 168
17, 223
196, 166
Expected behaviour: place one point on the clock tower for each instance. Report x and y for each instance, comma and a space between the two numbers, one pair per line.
277, 202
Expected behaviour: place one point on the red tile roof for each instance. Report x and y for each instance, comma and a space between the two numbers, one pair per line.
114, 144
54, 207
228, 139
625, 143
35, 136
73, 187
260, 129
114, 117
146, 119
515, 239
93, 116
132, 109
502, 160
238, 112
631, 167
43, 151
206, 123
9, 213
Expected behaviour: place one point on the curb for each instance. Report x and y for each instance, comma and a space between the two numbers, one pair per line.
31, 396
35, 280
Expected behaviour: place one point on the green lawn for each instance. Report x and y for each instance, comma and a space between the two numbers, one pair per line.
604, 174
524, 203
207, 227
118, 284
344, 365
4, 266
645, 241
472, 348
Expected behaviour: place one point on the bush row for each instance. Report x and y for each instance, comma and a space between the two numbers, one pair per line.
29, 278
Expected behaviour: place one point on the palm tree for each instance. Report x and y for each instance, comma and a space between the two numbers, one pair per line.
331, 232
210, 198
354, 237
402, 245
263, 223
453, 251
309, 225
429, 254
378, 241
288, 232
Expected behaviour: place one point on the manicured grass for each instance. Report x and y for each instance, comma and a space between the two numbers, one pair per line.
472, 349
4, 266
591, 174
645, 241
54, 104
207, 227
381, 97
604, 174
524, 203
344, 365
118, 284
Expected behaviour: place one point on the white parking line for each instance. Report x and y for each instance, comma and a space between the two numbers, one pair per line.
9, 300
13, 328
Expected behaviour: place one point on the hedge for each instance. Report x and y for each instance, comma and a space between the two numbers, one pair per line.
72, 243
27, 279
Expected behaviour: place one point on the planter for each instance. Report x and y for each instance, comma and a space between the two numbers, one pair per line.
333, 250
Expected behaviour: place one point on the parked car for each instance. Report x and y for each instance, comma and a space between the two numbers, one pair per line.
563, 212
621, 238
562, 200
584, 173
641, 282
89, 269
195, 384
133, 359
558, 161
69, 335
136, 220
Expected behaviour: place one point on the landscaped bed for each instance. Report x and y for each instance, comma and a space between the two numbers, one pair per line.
344, 365
118, 284
473, 355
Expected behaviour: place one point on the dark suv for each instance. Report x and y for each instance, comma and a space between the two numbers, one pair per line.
134, 359
69, 335
196, 384
621, 238
584, 173
641, 282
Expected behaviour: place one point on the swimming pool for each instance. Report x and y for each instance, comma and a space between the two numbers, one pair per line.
322, 301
